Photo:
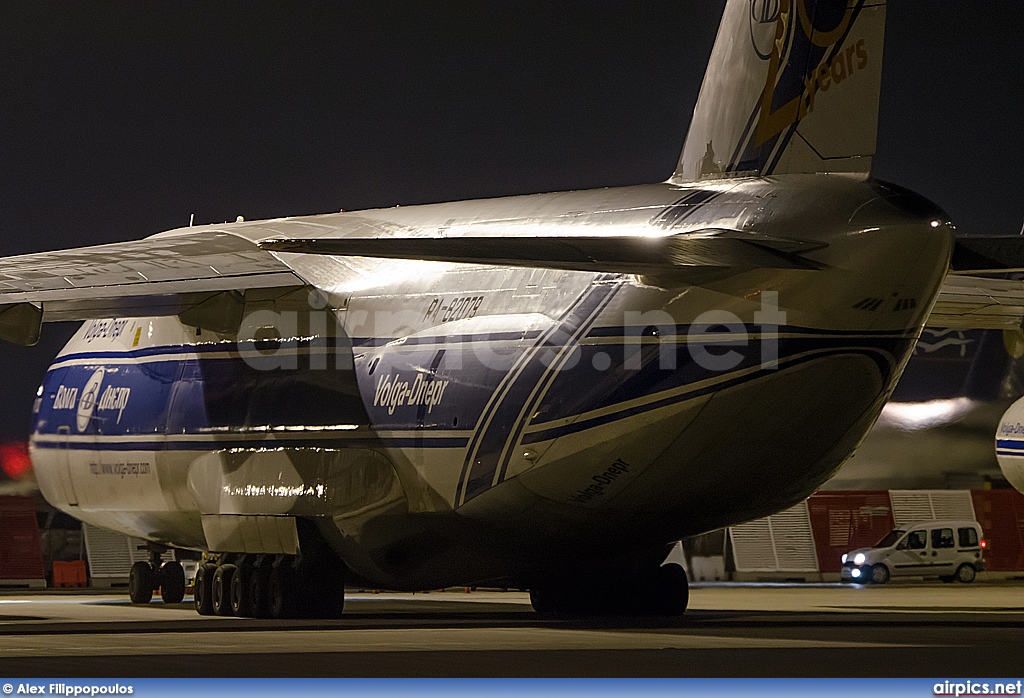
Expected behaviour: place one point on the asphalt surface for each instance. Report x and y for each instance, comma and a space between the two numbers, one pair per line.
730, 630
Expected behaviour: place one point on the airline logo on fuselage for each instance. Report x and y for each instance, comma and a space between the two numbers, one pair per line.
93, 399
114, 399
90, 395
393, 392
65, 399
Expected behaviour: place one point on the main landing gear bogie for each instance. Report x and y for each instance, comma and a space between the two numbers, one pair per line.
271, 586
146, 577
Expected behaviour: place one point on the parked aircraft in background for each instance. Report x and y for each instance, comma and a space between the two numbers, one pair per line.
936, 431
540, 391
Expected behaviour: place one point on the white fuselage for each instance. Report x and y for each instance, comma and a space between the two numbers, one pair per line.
446, 423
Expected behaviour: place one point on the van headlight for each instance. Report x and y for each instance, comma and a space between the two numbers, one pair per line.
844, 558
859, 559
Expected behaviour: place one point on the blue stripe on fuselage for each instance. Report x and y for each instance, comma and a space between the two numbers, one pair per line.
199, 388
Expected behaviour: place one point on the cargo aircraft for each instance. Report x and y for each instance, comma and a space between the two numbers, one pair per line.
539, 391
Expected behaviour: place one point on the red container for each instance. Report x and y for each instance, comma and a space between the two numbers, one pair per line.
844, 521
69, 574
21, 551
1001, 515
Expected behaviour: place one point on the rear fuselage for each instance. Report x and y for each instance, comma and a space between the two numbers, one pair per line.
449, 424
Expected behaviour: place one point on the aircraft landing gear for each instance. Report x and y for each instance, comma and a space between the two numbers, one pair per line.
146, 577
221, 588
171, 577
663, 591
203, 591
141, 583
309, 585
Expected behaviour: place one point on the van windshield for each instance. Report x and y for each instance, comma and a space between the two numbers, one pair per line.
890, 539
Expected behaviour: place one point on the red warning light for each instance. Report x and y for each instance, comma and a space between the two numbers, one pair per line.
14, 459
984, 544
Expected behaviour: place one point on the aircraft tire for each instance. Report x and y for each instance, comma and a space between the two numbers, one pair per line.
203, 591
326, 599
172, 582
141, 583
259, 583
325, 583
241, 591
670, 592
282, 592
545, 600
221, 596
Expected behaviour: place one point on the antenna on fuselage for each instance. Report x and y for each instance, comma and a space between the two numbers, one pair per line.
191, 217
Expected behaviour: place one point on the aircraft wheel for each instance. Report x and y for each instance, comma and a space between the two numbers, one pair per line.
879, 574
281, 592
325, 585
203, 592
172, 582
241, 591
546, 600
141, 583
259, 583
670, 593
222, 589
966, 573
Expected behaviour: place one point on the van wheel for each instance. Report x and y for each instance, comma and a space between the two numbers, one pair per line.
879, 574
965, 573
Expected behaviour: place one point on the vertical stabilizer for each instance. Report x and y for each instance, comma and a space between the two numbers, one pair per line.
791, 87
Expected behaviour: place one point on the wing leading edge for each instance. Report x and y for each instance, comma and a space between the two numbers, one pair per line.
200, 275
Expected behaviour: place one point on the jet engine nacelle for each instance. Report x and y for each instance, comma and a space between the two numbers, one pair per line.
1010, 444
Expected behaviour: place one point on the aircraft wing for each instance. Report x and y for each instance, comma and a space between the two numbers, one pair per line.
199, 272
203, 276
613, 254
974, 302
979, 255
976, 294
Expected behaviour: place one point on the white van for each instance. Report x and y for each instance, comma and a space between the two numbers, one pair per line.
949, 550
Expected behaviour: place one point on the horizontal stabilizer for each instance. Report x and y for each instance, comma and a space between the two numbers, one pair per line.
612, 254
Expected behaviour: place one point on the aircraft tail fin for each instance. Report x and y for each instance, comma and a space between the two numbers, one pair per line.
792, 87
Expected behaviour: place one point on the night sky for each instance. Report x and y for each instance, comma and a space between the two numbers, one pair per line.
120, 120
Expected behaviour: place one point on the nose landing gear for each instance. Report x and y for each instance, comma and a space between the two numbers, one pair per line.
146, 577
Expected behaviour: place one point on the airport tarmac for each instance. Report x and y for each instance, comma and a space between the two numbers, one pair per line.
730, 630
